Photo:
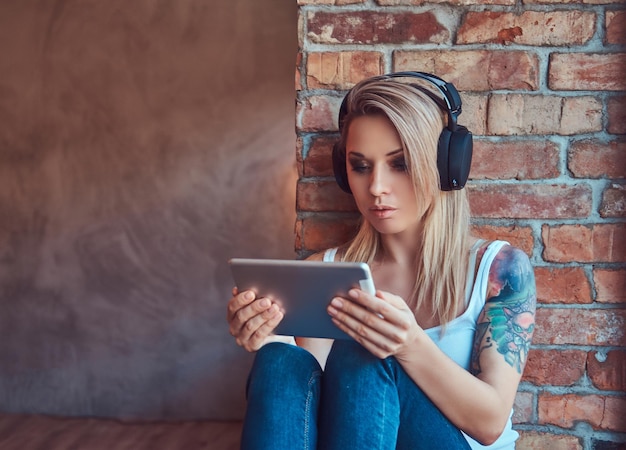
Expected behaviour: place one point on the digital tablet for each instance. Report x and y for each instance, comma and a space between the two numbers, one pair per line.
303, 289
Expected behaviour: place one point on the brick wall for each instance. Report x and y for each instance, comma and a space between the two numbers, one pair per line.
543, 84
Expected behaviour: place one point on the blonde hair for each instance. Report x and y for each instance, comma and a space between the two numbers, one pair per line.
442, 257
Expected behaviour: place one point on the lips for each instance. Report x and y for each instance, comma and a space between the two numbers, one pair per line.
382, 211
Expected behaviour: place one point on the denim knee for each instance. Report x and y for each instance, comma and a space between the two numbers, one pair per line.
282, 366
349, 358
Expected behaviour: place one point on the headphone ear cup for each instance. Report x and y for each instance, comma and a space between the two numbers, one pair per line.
454, 158
443, 156
339, 169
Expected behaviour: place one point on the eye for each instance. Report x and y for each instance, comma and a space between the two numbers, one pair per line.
359, 166
399, 164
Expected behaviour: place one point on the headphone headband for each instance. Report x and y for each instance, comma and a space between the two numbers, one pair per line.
450, 94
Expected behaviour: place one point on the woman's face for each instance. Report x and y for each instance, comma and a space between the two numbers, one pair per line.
378, 176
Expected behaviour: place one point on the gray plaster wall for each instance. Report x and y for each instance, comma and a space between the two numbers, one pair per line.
142, 144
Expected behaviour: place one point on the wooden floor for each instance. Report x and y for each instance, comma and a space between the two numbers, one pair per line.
19, 432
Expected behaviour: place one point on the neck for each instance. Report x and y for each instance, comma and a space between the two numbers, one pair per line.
400, 249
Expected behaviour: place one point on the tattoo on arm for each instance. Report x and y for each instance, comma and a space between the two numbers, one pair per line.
508, 319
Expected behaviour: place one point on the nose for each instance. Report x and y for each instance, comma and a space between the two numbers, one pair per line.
379, 182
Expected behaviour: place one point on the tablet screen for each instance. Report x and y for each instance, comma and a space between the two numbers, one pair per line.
303, 289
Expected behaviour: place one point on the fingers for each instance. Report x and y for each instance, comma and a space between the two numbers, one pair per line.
392, 308
374, 322
239, 301
258, 326
255, 334
381, 339
251, 320
362, 321
244, 306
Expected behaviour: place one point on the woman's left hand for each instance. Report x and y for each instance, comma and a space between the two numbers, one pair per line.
383, 323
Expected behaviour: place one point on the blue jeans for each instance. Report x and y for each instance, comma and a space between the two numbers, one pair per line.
357, 402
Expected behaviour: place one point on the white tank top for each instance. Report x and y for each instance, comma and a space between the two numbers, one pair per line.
458, 339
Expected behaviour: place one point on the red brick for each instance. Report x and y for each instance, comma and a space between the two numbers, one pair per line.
602, 413
616, 112
341, 70
610, 285
615, 27
580, 115
330, 2
317, 113
607, 371
541, 364
297, 77
298, 235
368, 27
520, 237
597, 243
614, 201
523, 408
559, 326
319, 233
530, 201
584, 2
452, 2
537, 28
520, 160
532, 440
318, 161
585, 71
474, 115
567, 285
518, 114
299, 160
499, 69
322, 196
595, 159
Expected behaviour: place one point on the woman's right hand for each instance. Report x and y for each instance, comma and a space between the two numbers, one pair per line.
252, 320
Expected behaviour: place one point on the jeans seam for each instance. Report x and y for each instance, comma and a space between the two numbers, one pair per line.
384, 412
307, 409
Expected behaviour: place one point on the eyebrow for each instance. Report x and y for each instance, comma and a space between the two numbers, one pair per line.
391, 153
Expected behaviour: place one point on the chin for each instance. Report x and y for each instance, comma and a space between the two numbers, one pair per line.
387, 228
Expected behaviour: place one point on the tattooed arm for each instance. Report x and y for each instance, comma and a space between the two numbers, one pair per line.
505, 327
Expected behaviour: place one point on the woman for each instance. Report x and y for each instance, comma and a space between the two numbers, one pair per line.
439, 351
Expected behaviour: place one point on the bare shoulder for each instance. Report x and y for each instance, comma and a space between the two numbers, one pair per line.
319, 256
510, 271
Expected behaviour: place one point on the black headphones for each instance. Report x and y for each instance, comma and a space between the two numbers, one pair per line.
454, 151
